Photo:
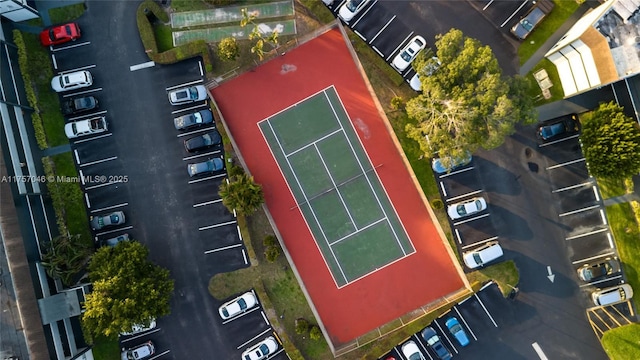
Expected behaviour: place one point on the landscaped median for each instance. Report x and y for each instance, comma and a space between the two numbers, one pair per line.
622, 343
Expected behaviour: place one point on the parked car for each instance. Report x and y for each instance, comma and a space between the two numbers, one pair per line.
114, 241
60, 34
466, 208
447, 164
113, 219
237, 306
203, 142
188, 95
205, 167
457, 331
558, 127
261, 350
72, 81
433, 340
408, 53
590, 272
86, 127
428, 70
139, 352
79, 105
612, 295
351, 8
411, 352
482, 255
530, 20
140, 328
198, 118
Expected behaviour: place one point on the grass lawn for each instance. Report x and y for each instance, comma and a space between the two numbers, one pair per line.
622, 343
66, 13
505, 274
556, 90
626, 233
193, 5
611, 187
163, 37
553, 21
106, 349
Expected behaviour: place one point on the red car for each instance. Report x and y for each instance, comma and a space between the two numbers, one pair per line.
60, 34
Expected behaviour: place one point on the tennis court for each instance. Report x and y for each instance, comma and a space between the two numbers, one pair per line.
336, 187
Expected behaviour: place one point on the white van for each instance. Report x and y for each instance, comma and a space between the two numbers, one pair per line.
612, 295
482, 255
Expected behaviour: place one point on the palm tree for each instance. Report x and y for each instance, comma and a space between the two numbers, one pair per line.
241, 194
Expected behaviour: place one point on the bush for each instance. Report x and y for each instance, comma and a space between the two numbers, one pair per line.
228, 49
397, 103
220, 2
437, 204
234, 170
271, 253
302, 326
315, 333
628, 185
269, 240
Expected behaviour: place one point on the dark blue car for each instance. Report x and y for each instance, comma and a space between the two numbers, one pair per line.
558, 127
433, 340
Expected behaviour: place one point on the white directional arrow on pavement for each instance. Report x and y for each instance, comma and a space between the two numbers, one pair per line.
551, 276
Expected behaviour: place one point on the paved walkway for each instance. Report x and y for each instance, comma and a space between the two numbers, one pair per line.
56, 150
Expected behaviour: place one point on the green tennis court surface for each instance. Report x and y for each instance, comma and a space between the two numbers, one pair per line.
229, 14
216, 34
336, 187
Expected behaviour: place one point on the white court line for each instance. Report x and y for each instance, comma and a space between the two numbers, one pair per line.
44, 211
114, 230
399, 46
464, 195
579, 210
141, 335
382, 29
586, 234
109, 207
190, 108
76, 69
364, 13
184, 84
207, 203
70, 46
207, 178
479, 242
515, 12
192, 132
572, 187
471, 219
200, 155
357, 231
87, 115
593, 258
539, 351
82, 92
465, 322
566, 163
253, 338
485, 309
208, 227
222, 248
559, 140
601, 281
144, 65
97, 161
457, 172
314, 142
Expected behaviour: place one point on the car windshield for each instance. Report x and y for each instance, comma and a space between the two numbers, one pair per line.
68, 30
182, 94
225, 312
526, 24
63, 80
461, 210
193, 92
114, 218
406, 56
242, 304
264, 349
74, 128
197, 118
478, 204
352, 5
623, 295
432, 340
477, 258
456, 328
415, 356
553, 130
52, 35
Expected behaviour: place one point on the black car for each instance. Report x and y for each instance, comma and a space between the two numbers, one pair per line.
558, 127
433, 340
204, 141
590, 272
78, 105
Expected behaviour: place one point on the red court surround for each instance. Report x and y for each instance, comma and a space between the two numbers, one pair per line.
395, 290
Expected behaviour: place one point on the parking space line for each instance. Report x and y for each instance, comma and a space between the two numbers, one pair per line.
601, 281
244, 256
539, 351
514, 13
70, 46
101, 185
208, 227
565, 163
464, 195
472, 219
97, 161
86, 199
222, 248
610, 240
458, 236
485, 309
595, 192
486, 6
264, 317
195, 131
144, 65
360, 35
55, 63
417, 339
444, 192
75, 151
399, 46
241, 315
592, 258
572, 187
253, 338
479, 242
586, 234
110, 207
378, 51
559, 140
207, 178
201, 155
444, 334
457, 172
161, 354
239, 232
184, 84
382, 29
141, 335
204, 103
579, 210
364, 13
623, 315
465, 322
114, 230
82, 92
87, 115
207, 203
77, 69
200, 66
603, 217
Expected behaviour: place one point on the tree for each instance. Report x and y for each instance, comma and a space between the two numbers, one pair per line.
467, 102
259, 31
228, 49
64, 257
611, 142
242, 194
128, 289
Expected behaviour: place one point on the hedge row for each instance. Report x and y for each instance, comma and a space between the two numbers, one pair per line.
57, 197
174, 55
23, 62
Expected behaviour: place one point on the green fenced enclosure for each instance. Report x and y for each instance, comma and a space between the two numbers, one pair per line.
229, 14
284, 27
336, 187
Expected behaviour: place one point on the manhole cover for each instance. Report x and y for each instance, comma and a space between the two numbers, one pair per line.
533, 166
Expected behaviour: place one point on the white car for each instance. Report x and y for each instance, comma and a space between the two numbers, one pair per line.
71, 81
237, 306
188, 95
408, 53
139, 328
466, 208
410, 351
351, 8
482, 255
613, 295
261, 350
428, 70
139, 352
86, 127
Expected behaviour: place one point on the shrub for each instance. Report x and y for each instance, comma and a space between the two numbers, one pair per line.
271, 253
220, 2
228, 49
315, 333
234, 170
437, 204
397, 103
269, 240
628, 185
302, 326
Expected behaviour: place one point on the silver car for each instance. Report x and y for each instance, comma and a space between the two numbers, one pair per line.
188, 95
113, 219
205, 167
